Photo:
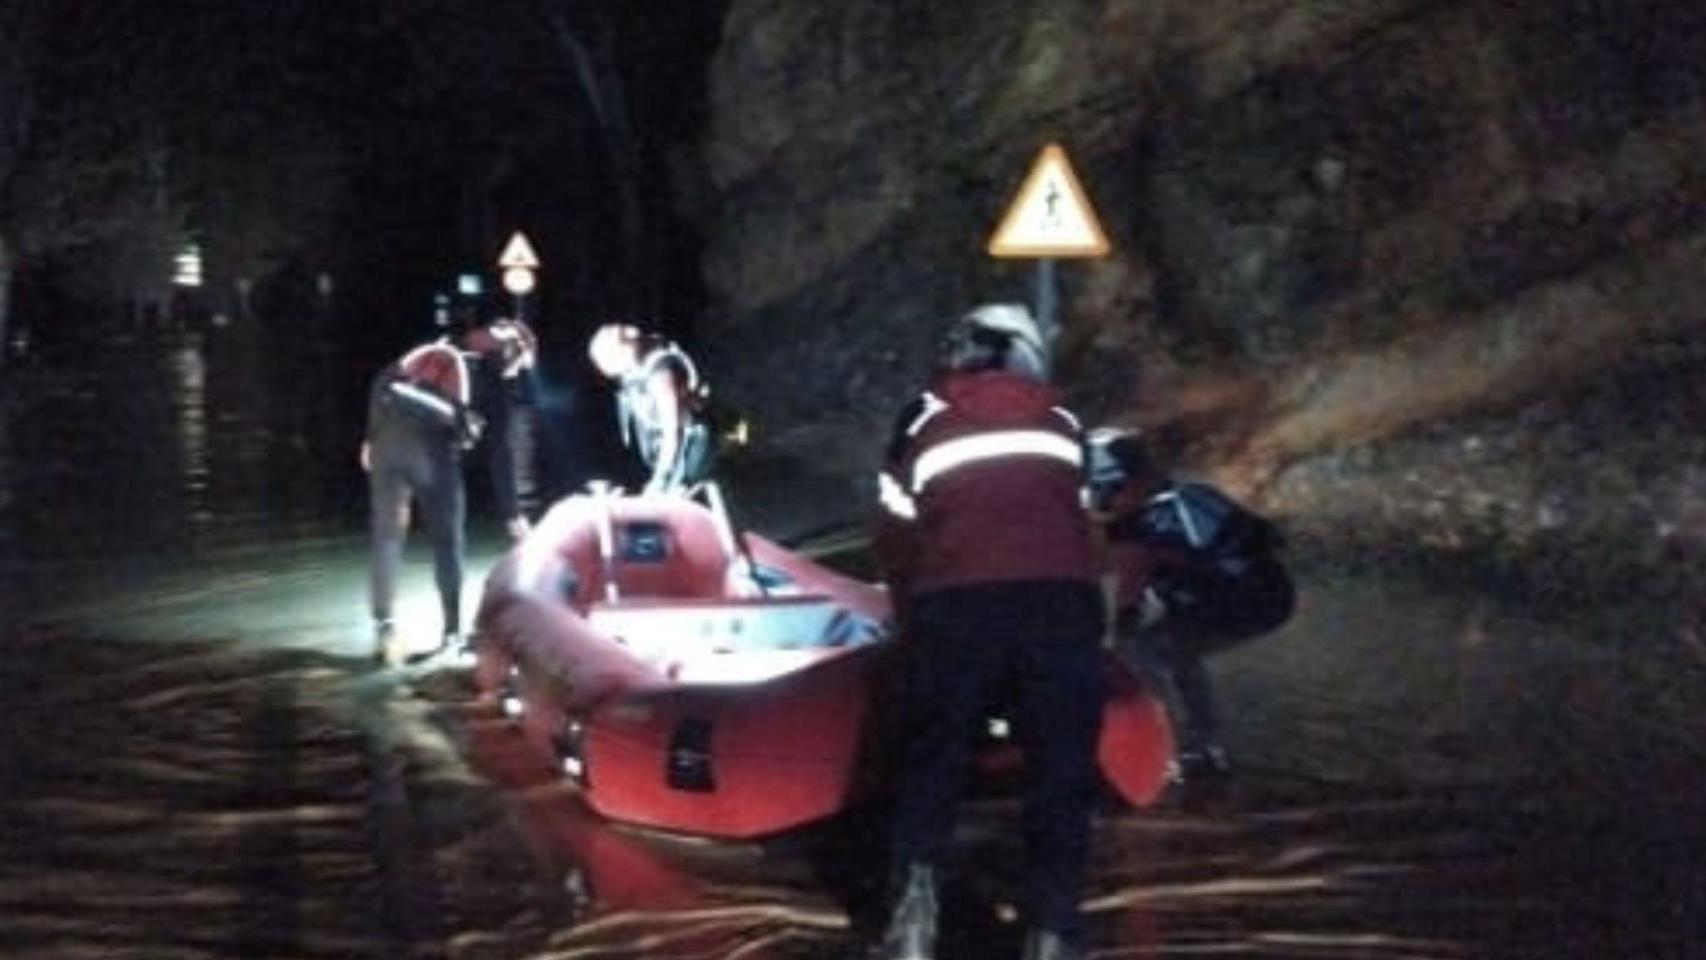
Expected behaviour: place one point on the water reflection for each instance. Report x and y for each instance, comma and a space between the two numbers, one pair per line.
191, 399
137, 446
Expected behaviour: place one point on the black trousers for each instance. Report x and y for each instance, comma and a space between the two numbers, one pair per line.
692, 462
412, 460
1170, 656
964, 645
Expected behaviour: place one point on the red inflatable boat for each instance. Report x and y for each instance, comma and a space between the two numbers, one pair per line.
696, 679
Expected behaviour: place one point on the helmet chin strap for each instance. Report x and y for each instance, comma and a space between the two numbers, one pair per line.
972, 347
997, 336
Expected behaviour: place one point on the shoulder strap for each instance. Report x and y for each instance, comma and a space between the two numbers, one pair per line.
439, 367
667, 353
1211, 519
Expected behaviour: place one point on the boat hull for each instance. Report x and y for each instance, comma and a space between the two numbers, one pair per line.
691, 700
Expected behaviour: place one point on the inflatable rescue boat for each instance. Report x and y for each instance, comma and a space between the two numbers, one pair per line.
694, 678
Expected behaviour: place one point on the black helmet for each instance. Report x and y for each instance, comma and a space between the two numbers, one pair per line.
1117, 456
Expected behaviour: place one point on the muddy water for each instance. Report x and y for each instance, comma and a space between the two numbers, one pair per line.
200, 761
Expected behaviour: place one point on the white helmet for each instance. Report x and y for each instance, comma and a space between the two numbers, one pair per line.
1019, 343
1013, 319
614, 348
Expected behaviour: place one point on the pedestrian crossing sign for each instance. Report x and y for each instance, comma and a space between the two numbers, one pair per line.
1051, 216
518, 253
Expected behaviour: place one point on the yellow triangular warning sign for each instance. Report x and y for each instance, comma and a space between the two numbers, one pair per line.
518, 253
1051, 216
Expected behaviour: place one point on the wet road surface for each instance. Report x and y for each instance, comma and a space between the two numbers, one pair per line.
202, 761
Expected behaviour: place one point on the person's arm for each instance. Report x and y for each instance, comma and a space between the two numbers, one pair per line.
375, 394
495, 403
666, 396
500, 456
894, 539
500, 467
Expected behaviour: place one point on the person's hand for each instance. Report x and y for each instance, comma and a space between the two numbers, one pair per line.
517, 527
1153, 608
365, 457
472, 426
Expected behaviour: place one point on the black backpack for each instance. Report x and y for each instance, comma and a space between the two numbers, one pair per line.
1231, 583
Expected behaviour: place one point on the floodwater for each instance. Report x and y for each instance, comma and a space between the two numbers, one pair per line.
201, 761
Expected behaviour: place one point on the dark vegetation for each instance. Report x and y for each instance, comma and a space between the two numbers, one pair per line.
341, 163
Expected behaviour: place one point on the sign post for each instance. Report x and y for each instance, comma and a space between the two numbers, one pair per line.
1051, 217
518, 263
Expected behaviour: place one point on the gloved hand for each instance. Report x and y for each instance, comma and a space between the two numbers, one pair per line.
1152, 609
1135, 618
472, 426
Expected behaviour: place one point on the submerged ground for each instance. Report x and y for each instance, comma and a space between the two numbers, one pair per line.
200, 760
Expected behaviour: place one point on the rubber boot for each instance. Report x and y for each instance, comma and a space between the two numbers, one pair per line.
1048, 945
464, 654
1207, 763
1203, 776
911, 933
449, 643
387, 647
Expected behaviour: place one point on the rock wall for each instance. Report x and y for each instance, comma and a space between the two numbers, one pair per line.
1415, 275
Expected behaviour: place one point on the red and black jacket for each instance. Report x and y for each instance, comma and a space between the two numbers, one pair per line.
983, 483
430, 384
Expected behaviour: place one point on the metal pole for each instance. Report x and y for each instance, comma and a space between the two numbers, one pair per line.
1048, 299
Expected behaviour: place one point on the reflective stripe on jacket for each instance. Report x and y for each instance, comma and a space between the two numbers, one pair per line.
428, 387
433, 379
983, 483
639, 419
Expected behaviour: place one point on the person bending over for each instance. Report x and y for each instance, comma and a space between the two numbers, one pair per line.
1194, 574
659, 400
421, 417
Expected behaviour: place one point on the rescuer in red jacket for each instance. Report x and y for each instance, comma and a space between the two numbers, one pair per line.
989, 554
421, 417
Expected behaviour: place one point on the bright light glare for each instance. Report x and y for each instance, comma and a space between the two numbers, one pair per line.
188, 265
740, 434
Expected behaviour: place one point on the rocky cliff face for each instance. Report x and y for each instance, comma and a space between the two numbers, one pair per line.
1413, 274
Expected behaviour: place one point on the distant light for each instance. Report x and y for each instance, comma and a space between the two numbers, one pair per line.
469, 285
188, 266
512, 706
739, 434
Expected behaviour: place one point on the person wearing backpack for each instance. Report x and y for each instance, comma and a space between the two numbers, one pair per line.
1194, 573
660, 401
421, 419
